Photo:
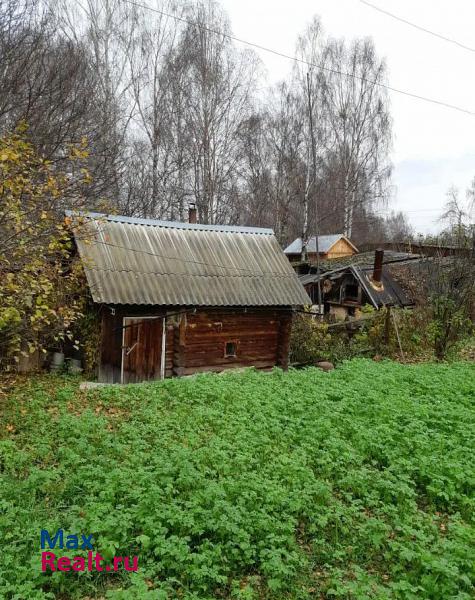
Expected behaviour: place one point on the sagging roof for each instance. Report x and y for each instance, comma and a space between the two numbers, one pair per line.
144, 261
390, 293
325, 243
366, 259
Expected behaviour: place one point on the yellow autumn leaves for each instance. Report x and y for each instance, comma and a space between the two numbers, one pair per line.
40, 288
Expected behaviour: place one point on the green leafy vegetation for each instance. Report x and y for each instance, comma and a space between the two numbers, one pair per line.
354, 484
372, 335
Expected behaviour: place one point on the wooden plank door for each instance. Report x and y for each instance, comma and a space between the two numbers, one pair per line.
141, 349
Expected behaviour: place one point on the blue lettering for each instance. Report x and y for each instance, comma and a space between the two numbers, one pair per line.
45, 539
87, 542
72, 542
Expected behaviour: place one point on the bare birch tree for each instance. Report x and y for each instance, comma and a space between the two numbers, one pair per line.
152, 78
287, 138
105, 28
217, 89
255, 171
309, 79
359, 123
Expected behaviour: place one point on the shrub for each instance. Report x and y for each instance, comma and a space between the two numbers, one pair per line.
40, 288
309, 340
313, 340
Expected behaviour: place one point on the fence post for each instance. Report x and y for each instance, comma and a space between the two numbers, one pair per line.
387, 325
398, 338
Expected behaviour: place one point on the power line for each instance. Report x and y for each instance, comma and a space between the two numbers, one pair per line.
419, 27
302, 61
396, 210
139, 272
250, 272
184, 260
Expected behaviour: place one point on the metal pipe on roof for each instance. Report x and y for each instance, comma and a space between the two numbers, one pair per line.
192, 213
378, 265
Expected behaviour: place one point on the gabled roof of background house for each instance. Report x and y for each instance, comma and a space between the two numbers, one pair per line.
144, 261
325, 243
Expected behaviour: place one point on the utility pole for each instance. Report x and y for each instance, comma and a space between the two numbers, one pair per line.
314, 179
304, 253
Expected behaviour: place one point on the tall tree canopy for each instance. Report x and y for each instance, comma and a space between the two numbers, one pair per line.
176, 113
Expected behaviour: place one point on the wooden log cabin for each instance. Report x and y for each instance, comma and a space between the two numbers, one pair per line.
183, 298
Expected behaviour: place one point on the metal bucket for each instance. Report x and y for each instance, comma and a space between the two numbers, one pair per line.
57, 361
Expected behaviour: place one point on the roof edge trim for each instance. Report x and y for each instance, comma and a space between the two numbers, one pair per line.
170, 224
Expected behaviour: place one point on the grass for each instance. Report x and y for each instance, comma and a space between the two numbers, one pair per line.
355, 484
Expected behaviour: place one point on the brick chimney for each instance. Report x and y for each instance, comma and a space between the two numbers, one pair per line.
378, 266
192, 213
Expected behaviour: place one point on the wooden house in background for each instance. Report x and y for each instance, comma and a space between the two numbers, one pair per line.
182, 298
329, 247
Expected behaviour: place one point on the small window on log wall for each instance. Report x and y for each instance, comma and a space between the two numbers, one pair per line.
230, 348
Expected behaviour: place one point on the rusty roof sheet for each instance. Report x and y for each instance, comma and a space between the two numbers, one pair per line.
142, 261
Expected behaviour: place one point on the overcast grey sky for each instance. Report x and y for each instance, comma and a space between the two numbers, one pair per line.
434, 147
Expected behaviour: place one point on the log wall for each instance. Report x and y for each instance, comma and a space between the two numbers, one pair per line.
196, 341
261, 339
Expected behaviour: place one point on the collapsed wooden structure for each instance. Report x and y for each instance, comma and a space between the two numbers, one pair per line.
346, 289
181, 298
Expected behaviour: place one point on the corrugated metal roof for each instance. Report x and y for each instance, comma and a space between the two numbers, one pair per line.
141, 261
325, 243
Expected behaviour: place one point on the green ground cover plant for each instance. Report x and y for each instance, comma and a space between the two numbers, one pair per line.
353, 484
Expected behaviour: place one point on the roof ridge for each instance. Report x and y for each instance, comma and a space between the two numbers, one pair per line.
171, 224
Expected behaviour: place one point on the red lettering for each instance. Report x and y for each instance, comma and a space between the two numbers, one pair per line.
64, 564
47, 560
78, 564
117, 561
97, 560
135, 563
